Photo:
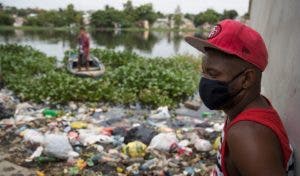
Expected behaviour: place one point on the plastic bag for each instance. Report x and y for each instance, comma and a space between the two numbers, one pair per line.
88, 137
203, 145
218, 127
32, 136
161, 113
78, 125
38, 152
217, 143
25, 113
135, 149
150, 164
58, 145
141, 133
163, 141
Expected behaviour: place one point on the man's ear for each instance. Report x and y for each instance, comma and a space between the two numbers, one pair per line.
250, 78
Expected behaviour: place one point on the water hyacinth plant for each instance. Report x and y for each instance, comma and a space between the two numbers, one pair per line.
129, 78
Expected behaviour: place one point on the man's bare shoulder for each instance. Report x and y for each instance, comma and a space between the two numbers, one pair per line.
249, 128
254, 149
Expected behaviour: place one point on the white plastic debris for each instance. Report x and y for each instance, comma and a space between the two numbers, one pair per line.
23, 108
8, 122
72, 105
150, 164
58, 145
20, 119
163, 141
218, 127
134, 168
25, 112
202, 145
136, 125
99, 148
82, 110
161, 113
209, 130
193, 137
98, 110
73, 154
184, 143
7, 99
33, 136
223, 114
38, 152
88, 137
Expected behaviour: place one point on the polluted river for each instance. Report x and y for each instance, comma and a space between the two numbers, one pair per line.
142, 117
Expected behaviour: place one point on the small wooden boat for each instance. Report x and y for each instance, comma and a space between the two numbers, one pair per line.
96, 68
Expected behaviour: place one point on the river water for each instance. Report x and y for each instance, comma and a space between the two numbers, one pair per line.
145, 43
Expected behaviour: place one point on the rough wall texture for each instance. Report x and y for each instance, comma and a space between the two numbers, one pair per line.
279, 23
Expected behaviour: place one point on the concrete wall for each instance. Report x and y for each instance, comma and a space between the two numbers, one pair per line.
279, 23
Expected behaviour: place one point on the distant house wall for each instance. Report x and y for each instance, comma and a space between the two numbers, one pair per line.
279, 23
18, 21
167, 23
161, 23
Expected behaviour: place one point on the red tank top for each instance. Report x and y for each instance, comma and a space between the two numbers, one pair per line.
267, 117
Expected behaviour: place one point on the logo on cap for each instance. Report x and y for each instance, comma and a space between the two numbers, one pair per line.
215, 31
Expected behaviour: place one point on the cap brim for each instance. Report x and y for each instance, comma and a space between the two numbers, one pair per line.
201, 44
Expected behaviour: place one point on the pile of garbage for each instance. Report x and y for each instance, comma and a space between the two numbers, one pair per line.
98, 139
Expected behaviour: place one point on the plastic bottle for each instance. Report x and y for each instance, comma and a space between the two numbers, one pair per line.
49, 113
149, 164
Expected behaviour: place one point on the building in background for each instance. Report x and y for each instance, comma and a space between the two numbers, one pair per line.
18, 21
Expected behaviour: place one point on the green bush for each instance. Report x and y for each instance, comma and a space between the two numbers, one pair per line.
6, 19
129, 78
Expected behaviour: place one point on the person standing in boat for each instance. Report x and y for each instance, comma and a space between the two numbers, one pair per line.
84, 49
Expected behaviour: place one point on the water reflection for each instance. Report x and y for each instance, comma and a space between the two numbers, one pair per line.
143, 41
150, 44
68, 38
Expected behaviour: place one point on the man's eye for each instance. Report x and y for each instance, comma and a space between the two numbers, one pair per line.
212, 74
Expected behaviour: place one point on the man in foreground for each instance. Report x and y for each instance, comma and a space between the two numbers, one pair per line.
84, 49
254, 141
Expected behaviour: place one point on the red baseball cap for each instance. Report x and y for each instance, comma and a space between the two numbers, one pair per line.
235, 38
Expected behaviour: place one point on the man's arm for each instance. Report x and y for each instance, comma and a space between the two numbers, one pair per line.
255, 150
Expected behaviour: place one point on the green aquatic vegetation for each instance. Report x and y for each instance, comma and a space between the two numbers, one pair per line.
129, 78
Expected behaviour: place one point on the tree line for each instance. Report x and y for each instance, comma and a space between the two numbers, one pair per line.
129, 16
43, 18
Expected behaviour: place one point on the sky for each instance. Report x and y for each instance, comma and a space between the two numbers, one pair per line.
164, 6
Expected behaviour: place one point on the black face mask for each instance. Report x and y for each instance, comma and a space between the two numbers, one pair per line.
214, 93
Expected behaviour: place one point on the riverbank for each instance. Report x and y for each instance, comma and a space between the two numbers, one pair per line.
34, 28
100, 139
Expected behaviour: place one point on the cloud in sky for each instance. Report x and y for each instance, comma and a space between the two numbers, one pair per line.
165, 6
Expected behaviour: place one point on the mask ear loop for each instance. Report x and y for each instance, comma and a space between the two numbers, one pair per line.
234, 95
236, 76
239, 74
